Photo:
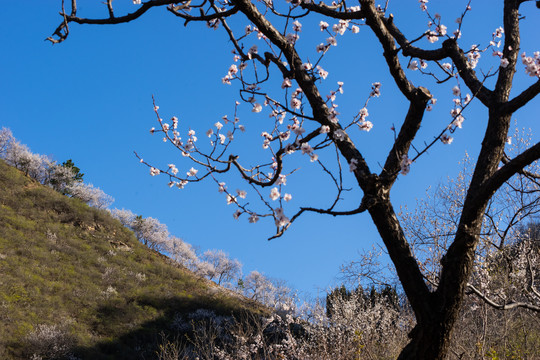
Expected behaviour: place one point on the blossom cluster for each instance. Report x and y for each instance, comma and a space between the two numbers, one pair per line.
532, 64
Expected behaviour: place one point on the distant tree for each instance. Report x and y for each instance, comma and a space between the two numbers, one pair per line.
61, 177
365, 298
33, 165
223, 269
151, 232
183, 253
270, 57
91, 195
77, 174
6, 138
126, 217
268, 291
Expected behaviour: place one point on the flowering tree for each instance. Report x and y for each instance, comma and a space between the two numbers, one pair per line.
271, 292
39, 167
91, 195
304, 120
221, 268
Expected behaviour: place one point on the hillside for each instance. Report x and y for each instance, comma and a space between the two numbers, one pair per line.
74, 280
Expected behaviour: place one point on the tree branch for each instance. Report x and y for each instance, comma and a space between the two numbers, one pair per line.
467, 74
512, 305
329, 11
511, 168
522, 99
407, 48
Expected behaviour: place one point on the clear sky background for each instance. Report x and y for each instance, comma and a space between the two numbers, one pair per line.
90, 99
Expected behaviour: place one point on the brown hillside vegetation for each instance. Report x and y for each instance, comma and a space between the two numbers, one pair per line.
74, 282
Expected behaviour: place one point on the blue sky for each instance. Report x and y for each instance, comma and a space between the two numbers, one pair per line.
90, 99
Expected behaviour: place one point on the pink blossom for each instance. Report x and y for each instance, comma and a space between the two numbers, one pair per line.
339, 135
256, 108
281, 219
353, 164
253, 218
323, 25
473, 56
230, 199
441, 29
323, 74
306, 148
321, 47
458, 121
281, 180
298, 130
292, 38
307, 66
241, 193
251, 51
222, 187
405, 164
432, 36
286, 83
413, 65
227, 79
192, 172
287, 197
274, 193
365, 125
446, 139
173, 168
375, 89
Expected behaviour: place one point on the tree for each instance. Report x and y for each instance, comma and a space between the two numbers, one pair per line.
61, 177
220, 267
271, 292
6, 138
39, 167
91, 195
151, 232
306, 121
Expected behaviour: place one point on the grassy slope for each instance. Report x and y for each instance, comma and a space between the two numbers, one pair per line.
66, 264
